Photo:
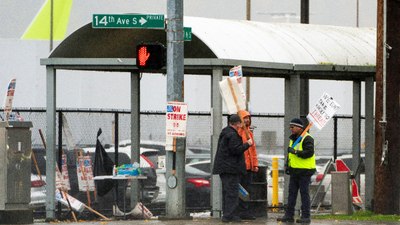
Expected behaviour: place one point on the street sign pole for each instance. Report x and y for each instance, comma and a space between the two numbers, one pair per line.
175, 171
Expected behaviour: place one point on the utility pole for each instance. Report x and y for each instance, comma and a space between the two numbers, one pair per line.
387, 143
357, 13
305, 11
175, 164
248, 17
304, 82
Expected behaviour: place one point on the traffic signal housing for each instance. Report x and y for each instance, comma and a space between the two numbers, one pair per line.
150, 56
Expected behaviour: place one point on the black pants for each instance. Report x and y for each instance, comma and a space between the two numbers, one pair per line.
230, 194
245, 181
296, 183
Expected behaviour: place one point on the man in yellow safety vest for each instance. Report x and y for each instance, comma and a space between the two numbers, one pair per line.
300, 166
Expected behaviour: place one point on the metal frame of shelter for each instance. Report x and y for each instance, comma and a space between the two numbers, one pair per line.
113, 50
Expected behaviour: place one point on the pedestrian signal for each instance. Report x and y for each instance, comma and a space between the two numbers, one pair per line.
150, 56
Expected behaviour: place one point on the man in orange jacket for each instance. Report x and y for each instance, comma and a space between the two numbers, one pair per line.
251, 160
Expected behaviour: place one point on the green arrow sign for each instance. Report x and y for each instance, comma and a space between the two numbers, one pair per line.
151, 21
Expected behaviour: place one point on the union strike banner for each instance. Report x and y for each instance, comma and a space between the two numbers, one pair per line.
176, 119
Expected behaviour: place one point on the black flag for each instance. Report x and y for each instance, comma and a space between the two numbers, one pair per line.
103, 165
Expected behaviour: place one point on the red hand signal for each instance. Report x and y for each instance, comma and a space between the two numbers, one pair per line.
143, 56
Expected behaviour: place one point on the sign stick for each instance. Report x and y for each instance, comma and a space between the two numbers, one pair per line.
69, 204
95, 212
36, 165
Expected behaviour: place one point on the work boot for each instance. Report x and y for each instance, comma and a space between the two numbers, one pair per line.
234, 219
285, 219
303, 220
247, 217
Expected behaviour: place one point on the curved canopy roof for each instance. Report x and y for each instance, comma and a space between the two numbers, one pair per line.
257, 46
286, 42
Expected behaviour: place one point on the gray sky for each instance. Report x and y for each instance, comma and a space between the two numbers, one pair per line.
16, 15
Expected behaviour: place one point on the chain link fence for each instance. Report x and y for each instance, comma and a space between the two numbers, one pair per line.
268, 132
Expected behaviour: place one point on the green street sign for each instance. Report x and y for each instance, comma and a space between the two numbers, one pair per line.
187, 33
150, 21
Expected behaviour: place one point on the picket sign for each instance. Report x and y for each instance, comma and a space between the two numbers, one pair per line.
76, 205
238, 73
176, 118
9, 99
321, 113
139, 211
83, 165
62, 179
85, 173
85, 176
231, 92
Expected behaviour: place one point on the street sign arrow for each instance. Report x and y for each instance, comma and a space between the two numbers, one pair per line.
142, 21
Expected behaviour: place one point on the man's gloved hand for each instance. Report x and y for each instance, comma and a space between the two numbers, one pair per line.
291, 150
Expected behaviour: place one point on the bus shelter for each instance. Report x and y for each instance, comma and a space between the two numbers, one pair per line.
294, 52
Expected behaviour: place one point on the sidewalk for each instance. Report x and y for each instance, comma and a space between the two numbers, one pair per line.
206, 220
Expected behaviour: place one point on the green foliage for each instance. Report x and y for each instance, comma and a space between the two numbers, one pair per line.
360, 215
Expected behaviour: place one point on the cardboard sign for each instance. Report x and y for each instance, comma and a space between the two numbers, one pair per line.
232, 94
9, 99
85, 173
75, 203
176, 119
236, 72
323, 111
62, 179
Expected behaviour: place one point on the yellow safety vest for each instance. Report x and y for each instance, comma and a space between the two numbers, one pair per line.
300, 163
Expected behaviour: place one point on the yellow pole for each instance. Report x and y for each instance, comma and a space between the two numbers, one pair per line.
275, 174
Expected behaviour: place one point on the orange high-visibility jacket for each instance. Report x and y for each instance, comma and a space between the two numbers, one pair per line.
250, 155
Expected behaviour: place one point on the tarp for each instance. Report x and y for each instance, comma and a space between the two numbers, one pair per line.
103, 165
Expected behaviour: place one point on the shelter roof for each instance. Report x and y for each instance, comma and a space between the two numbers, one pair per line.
264, 49
286, 42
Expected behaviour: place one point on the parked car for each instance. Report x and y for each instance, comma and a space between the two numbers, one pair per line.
38, 191
197, 176
198, 189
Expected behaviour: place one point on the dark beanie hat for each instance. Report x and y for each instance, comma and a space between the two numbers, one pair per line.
234, 119
297, 122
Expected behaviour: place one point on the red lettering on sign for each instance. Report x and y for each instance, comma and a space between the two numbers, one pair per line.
176, 108
172, 116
